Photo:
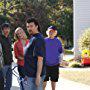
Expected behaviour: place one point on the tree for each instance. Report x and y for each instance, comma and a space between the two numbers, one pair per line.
48, 12
61, 15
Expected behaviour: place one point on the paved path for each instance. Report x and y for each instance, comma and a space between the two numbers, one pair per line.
63, 84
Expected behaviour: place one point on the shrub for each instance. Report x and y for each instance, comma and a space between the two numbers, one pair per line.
70, 60
84, 40
68, 51
74, 64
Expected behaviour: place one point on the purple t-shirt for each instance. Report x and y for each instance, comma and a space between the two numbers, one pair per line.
53, 51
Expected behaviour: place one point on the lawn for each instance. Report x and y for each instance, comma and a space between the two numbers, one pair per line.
66, 51
81, 76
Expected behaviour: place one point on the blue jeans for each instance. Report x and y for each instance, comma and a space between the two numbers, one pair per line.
31, 84
7, 72
22, 75
21, 83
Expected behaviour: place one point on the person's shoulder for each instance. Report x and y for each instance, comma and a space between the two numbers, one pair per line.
57, 39
39, 37
39, 40
46, 38
16, 42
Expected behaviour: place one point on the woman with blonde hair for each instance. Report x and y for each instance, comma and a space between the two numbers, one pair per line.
19, 44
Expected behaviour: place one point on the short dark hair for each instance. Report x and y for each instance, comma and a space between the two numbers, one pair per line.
7, 25
29, 20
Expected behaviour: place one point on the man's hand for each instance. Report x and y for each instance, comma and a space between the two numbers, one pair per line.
25, 78
37, 81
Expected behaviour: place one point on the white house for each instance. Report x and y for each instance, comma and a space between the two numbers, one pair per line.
81, 20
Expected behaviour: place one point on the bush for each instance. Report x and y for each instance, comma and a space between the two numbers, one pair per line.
74, 64
84, 40
70, 60
68, 51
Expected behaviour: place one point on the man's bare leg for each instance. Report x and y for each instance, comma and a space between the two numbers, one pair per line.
44, 85
53, 84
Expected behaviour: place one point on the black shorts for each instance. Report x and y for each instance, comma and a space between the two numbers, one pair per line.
52, 72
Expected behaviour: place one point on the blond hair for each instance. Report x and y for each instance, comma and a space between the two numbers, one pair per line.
15, 34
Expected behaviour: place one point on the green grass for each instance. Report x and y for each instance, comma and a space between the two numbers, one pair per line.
66, 51
81, 76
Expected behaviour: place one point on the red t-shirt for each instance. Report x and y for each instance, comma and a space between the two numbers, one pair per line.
18, 51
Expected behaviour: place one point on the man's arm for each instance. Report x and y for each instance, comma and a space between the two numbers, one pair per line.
40, 53
39, 70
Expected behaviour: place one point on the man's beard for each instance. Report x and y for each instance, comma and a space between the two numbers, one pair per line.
30, 32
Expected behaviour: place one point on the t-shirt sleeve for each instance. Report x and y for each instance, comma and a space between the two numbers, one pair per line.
16, 51
39, 48
60, 49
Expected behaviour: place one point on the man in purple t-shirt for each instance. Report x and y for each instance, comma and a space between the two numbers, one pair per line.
53, 51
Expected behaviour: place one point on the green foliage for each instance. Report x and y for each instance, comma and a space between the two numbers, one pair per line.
48, 12
68, 51
84, 40
61, 15
3, 19
74, 64
70, 60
